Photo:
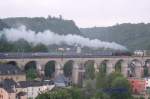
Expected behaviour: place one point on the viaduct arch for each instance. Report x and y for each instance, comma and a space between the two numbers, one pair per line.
128, 66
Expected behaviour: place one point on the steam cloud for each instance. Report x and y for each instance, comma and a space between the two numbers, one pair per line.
48, 38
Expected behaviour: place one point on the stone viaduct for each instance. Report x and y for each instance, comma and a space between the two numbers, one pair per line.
79, 67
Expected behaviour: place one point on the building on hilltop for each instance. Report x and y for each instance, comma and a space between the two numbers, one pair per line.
8, 71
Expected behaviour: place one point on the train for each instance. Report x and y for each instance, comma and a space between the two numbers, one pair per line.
66, 54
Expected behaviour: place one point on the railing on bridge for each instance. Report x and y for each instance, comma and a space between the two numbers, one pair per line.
49, 55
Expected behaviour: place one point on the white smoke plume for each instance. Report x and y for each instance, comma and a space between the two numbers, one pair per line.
48, 38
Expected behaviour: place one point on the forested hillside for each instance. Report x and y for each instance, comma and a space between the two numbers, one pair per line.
133, 36
40, 24
3, 25
37, 24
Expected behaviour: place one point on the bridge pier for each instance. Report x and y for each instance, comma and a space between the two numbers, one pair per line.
40, 66
139, 72
75, 73
110, 67
21, 64
58, 69
97, 66
124, 69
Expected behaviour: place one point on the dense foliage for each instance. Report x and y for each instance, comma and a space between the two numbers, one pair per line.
31, 74
110, 84
40, 24
101, 95
62, 94
49, 69
3, 25
133, 36
89, 70
20, 46
68, 66
37, 24
95, 91
30, 69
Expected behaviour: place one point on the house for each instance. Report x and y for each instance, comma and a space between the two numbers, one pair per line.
21, 95
33, 88
8, 90
8, 71
137, 85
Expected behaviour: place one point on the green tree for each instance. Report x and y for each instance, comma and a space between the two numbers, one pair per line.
101, 95
141, 97
68, 68
115, 81
121, 82
104, 81
71, 93
89, 70
57, 94
89, 89
76, 93
21, 45
3, 25
49, 69
101, 80
101, 76
146, 74
118, 66
103, 68
43, 96
31, 74
40, 48
5, 46
111, 77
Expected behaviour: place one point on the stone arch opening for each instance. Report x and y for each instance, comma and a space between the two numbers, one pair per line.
68, 68
31, 70
146, 68
134, 68
30, 65
103, 67
89, 69
118, 66
12, 63
49, 70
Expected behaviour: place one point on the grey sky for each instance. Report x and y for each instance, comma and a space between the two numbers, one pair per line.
85, 13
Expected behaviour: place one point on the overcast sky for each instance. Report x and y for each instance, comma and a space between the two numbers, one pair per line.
86, 13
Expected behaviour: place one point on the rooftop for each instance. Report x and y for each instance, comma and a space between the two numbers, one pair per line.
8, 85
7, 69
35, 83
